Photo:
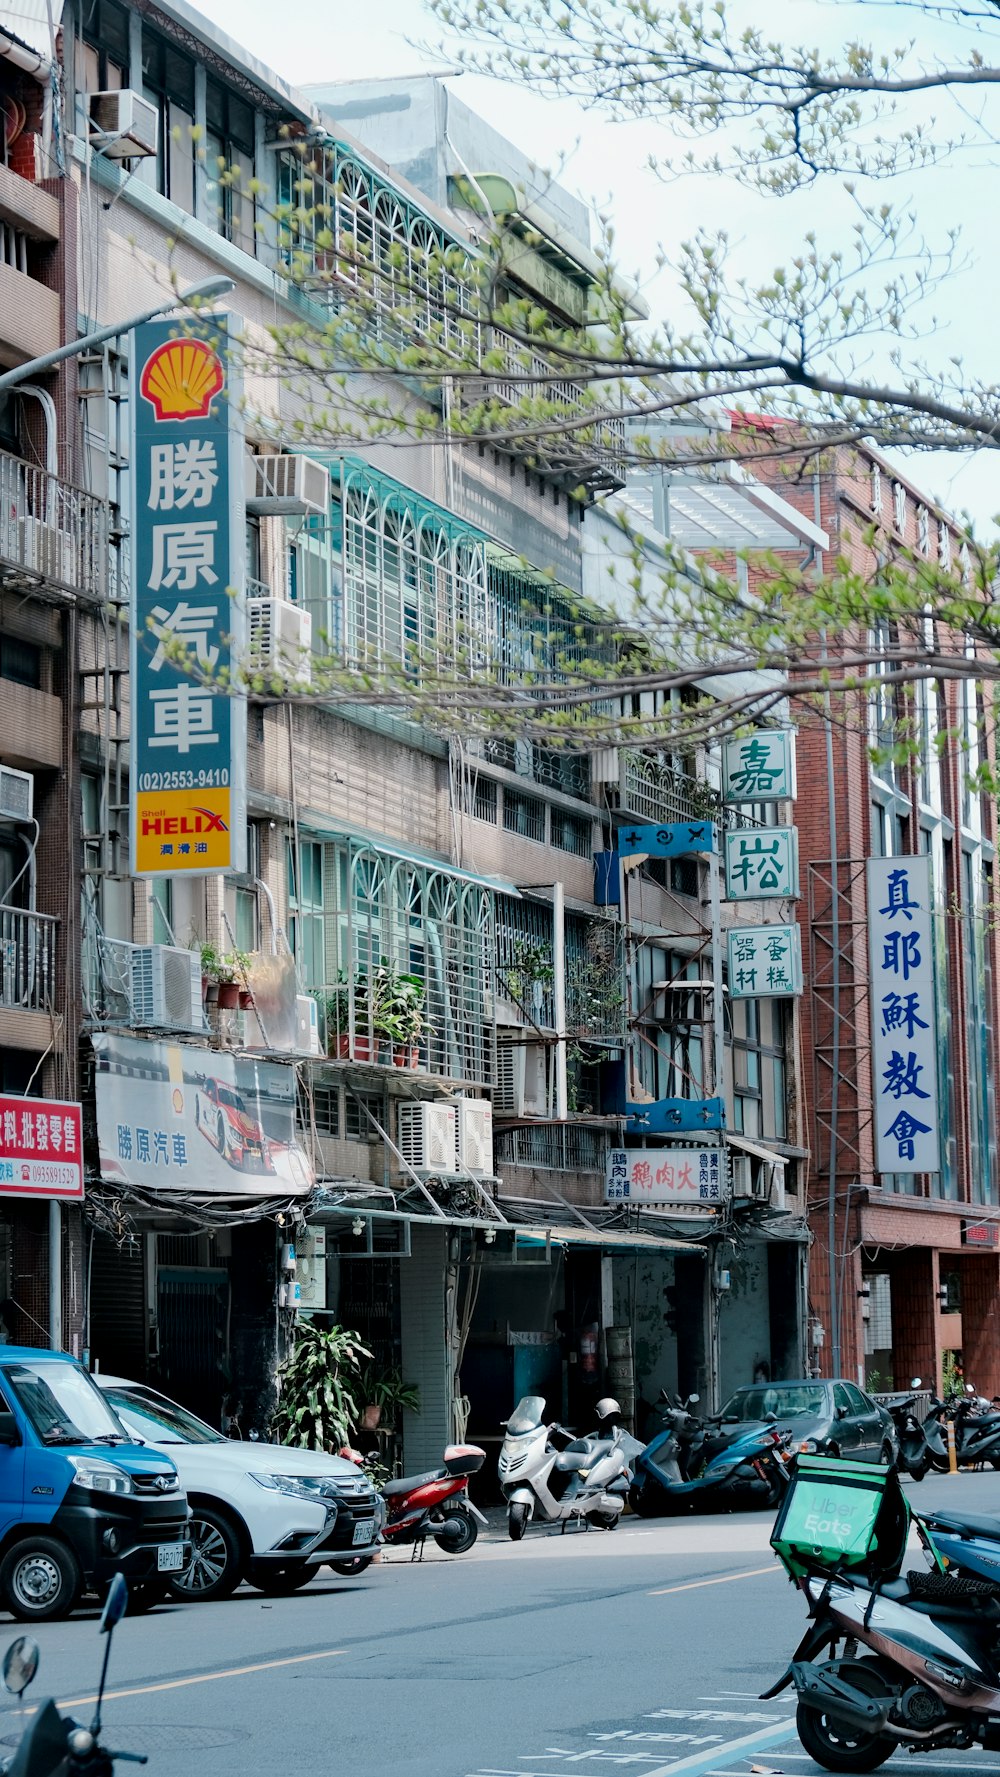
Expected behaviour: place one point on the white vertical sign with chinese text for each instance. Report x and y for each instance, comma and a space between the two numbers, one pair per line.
904, 1042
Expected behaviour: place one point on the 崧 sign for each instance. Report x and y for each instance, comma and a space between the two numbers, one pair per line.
188, 734
41, 1148
904, 1041
666, 1175
760, 767
762, 863
765, 962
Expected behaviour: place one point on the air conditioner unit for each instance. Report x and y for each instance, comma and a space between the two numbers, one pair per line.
307, 1025
426, 1135
520, 1083
741, 1173
124, 125
166, 988
47, 551
278, 485
280, 636
16, 794
475, 1136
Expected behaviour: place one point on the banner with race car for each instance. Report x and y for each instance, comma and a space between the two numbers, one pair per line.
176, 1117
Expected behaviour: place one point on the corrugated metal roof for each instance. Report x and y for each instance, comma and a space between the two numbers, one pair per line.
32, 24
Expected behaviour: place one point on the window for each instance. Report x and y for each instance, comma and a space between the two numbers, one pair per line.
923, 530
965, 564
357, 1106
759, 1075
944, 546
102, 56
21, 662
524, 815
569, 833
229, 166
161, 895
305, 904
168, 83
899, 505
484, 799
876, 488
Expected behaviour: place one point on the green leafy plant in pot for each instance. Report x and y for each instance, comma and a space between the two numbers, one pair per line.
319, 1388
398, 1012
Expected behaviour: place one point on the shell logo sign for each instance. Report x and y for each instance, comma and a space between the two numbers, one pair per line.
182, 378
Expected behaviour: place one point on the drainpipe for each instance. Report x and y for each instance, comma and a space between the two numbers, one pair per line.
559, 997
55, 1274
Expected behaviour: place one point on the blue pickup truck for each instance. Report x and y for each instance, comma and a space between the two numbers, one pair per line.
79, 1500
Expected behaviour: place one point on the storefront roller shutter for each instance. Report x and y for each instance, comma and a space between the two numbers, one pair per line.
118, 1307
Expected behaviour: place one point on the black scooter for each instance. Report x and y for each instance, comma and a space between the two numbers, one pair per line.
921, 1444
54, 1745
977, 1433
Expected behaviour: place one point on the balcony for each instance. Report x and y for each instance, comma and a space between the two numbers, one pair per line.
404, 1026
593, 450
50, 532
27, 978
553, 1147
651, 791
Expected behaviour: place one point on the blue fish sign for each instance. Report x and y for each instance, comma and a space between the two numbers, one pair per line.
674, 841
675, 1116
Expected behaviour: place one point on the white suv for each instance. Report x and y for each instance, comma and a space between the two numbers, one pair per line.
263, 1512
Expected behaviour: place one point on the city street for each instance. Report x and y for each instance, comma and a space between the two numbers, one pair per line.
641, 1651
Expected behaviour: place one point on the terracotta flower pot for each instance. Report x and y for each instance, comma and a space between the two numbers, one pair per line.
246, 999
212, 994
229, 996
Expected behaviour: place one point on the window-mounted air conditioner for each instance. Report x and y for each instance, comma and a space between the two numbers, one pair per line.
277, 485
124, 125
166, 988
475, 1136
426, 1136
519, 1085
741, 1173
47, 551
280, 635
307, 1025
16, 794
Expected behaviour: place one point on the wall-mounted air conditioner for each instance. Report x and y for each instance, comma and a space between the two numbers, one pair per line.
278, 485
307, 1025
280, 636
166, 988
47, 551
426, 1135
17, 790
520, 1083
741, 1173
475, 1136
124, 125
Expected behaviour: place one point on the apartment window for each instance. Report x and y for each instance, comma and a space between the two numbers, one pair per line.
21, 662
484, 799
229, 166
168, 83
319, 1109
923, 530
162, 899
102, 56
305, 905
759, 1076
876, 488
569, 833
944, 546
357, 1106
524, 815
899, 505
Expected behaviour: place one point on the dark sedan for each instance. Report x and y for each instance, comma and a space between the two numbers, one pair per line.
835, 1416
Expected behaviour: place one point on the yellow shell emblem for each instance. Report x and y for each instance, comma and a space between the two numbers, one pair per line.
181, 379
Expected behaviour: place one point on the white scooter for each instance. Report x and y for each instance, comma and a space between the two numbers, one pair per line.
547, 1473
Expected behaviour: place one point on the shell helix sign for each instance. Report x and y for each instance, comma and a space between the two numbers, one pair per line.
188, 765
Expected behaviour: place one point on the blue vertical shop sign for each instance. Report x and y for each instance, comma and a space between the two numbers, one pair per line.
188, 764
903, 1015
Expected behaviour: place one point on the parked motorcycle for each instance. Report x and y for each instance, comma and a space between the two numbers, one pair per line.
436, 1504
546, 1472
921, 1444
54, 1745
887, 1660
692, 1456
977, 1430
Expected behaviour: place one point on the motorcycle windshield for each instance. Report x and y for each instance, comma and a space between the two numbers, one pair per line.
527, 1416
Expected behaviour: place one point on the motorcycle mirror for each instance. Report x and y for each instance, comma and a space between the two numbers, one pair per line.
115, 1604
20, 1665
915, 1382
693, 1400
969, 1388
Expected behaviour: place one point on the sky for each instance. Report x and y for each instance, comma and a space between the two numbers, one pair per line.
606, 163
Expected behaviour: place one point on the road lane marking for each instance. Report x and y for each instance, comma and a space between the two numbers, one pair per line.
177, 1684
722, 1579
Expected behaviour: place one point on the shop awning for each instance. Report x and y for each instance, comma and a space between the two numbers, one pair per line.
534, 1234
611, 1239
755, 1150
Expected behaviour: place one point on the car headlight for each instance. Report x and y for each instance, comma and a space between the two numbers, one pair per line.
316, 1488
808, 1447
100, 1477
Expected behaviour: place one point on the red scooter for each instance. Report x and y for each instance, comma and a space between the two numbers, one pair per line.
435, 1504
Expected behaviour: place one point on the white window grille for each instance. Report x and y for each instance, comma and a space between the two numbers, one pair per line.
876, 488
899, 505
923, 530
944, 546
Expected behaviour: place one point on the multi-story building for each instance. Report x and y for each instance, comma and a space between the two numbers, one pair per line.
473, 986
903, 1272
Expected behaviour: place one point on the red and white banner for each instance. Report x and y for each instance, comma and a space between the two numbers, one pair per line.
41, 1148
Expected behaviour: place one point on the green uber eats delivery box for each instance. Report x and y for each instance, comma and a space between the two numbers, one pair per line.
848, 1517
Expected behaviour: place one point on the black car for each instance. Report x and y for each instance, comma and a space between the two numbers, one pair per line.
836, 1416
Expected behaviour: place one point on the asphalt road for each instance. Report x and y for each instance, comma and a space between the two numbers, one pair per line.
642, 1651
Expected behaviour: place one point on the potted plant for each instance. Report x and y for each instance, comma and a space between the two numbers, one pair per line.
229, 987
209, 974
319, 1390
241, 961
398, 1012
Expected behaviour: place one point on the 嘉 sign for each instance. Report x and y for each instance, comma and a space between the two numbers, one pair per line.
765, 962
41, 1148
187, 611
762, 863
903, 1016
759, 767
665, 1175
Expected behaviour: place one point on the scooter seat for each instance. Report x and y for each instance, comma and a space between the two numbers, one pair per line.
964, 1522
569, 1460
392, 1489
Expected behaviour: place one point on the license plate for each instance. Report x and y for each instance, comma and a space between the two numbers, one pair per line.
170, 1557
363, 1533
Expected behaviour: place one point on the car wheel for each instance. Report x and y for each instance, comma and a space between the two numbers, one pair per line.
350, 1568
216, 1565
833, 1450
40, 1579
220, 1130
144, 1595
886, 1456
278, 1582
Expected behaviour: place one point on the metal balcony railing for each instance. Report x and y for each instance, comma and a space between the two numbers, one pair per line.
27, 960
526, 377
446, 1035
51, 530
552, 1147
659, 793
